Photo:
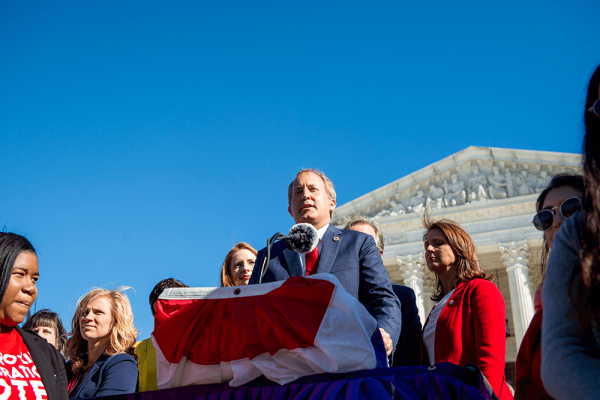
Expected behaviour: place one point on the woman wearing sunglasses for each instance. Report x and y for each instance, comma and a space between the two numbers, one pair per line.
559, 201
571, 323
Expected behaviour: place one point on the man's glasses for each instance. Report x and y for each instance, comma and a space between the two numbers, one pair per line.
544, 219
595, 108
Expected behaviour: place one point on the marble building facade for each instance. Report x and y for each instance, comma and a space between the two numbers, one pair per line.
491, 192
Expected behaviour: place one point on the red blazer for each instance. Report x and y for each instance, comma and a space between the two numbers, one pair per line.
529, 383
472, 329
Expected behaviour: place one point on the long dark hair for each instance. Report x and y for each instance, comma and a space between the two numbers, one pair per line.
560, 180
11, 245
47, 318
587, 298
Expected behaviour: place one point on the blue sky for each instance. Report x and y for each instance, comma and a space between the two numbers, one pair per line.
140, 140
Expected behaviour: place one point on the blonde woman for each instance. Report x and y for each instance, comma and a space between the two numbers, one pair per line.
238, 265
101, 346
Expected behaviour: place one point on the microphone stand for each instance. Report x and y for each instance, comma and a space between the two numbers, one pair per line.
265, 261
278, 236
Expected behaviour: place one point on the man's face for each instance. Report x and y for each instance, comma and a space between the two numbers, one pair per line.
310, 201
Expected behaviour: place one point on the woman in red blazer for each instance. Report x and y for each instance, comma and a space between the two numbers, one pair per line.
467, 325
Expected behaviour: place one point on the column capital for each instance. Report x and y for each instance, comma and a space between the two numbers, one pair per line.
412, 267
411, 258
515, 254
411, 263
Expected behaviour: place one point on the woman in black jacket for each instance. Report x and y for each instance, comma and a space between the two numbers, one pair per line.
31, 367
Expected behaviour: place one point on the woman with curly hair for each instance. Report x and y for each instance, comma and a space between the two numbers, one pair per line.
467, 324
238, 265
571, 294
101, 353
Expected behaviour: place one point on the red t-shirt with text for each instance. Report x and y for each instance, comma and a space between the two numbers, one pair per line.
19, 378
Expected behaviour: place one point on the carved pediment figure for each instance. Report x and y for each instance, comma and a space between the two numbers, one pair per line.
455, 192
396, 208
497, 187
392, 211
382, 213
530, 179
543, 181
523, 188
417, 203
435, 192
436, 204
477, 183
510, 184
435, 197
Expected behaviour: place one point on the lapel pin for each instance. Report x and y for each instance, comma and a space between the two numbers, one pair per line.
336, 239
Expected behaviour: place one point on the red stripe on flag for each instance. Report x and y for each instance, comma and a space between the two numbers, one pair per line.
210, 331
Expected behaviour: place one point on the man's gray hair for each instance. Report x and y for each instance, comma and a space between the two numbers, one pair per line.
361, 219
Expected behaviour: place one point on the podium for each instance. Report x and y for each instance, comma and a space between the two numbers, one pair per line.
303, 338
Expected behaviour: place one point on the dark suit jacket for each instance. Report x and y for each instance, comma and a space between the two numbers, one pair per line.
408, 350
49, 363
355, 261
109, 376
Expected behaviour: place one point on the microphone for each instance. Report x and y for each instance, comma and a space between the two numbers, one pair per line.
302, 238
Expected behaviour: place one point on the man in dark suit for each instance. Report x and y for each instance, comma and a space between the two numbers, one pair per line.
351, 256
408, 347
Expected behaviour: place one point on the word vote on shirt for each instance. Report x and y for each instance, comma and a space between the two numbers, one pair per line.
19, 378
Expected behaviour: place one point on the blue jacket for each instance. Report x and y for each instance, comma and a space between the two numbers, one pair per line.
408, 350
355, 261
110, 375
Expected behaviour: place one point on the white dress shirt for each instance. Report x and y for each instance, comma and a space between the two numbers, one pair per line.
429, 330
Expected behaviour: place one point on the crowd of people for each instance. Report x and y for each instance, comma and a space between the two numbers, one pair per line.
558, 358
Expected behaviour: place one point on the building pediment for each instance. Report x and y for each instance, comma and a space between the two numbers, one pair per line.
470, 178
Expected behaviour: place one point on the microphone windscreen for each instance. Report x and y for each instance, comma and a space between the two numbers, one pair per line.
309, 241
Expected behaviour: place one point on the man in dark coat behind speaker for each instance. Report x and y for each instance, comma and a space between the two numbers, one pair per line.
407, 350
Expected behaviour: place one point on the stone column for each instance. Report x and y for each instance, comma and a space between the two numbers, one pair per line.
412, 267
515, 257
429, 288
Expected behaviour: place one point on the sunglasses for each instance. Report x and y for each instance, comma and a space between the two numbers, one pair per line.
544, 219
595, 108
